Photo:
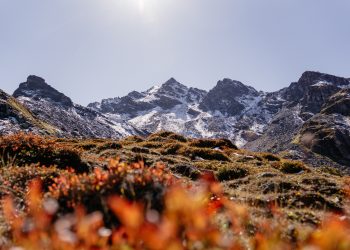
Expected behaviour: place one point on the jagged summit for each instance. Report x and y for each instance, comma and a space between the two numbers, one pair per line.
313, 89
225, 97
71, 120
172, 80
172, 88
275, 121
35, 87
312, 77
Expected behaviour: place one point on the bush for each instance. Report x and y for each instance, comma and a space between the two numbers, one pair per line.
109, 145
135, 182
171, 148
199, 215
166, 135
230, 173
204, 153
25, 149
292, 167
151, 144
270, 157
212, 143
140, 150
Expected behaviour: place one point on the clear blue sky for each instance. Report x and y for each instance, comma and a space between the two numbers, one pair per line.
93, 49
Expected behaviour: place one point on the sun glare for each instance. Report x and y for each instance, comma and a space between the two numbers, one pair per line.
141, 6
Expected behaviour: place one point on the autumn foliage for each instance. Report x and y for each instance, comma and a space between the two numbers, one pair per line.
126, 206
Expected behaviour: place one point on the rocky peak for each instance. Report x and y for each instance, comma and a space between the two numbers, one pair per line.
235, 88
224, 97
35, 87
313, 89
172, 88
309, 78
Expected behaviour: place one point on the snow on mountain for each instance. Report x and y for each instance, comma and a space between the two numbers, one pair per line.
70, 119
224, 111
251, 119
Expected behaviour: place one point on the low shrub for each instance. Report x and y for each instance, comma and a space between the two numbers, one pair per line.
194, 217
133, 139
204, 153
140, 150
109, 145
166, 135
25, 149
230, 173
186, 170
212, 143
135, 182
270, 157
151, 144
171, 148
177, 137
291, 167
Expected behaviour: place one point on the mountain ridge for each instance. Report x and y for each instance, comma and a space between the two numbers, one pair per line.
256, 120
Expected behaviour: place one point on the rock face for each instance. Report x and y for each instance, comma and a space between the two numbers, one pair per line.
71, 120
36, 88
231, 110
225, 96
14, 117
312, 90
339, 103
328, 133
314, 115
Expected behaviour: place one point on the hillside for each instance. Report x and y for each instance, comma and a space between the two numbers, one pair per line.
291, 196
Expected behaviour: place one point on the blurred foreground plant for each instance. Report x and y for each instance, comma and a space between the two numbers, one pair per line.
193, 216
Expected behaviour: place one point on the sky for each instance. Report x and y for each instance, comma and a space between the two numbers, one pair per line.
95, 49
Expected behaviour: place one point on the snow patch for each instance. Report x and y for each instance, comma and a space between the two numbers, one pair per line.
321, 84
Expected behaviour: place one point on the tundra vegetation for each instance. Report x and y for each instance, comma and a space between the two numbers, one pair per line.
165, 191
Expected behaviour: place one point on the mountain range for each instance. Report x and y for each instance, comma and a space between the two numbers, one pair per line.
308, 120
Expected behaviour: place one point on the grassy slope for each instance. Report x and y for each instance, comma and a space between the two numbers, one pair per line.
260, 180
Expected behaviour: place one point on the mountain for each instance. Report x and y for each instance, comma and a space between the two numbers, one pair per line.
229, 110
70, 119
313, 121
308, 120
14, 117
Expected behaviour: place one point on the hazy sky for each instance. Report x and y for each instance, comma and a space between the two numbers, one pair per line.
93, 49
